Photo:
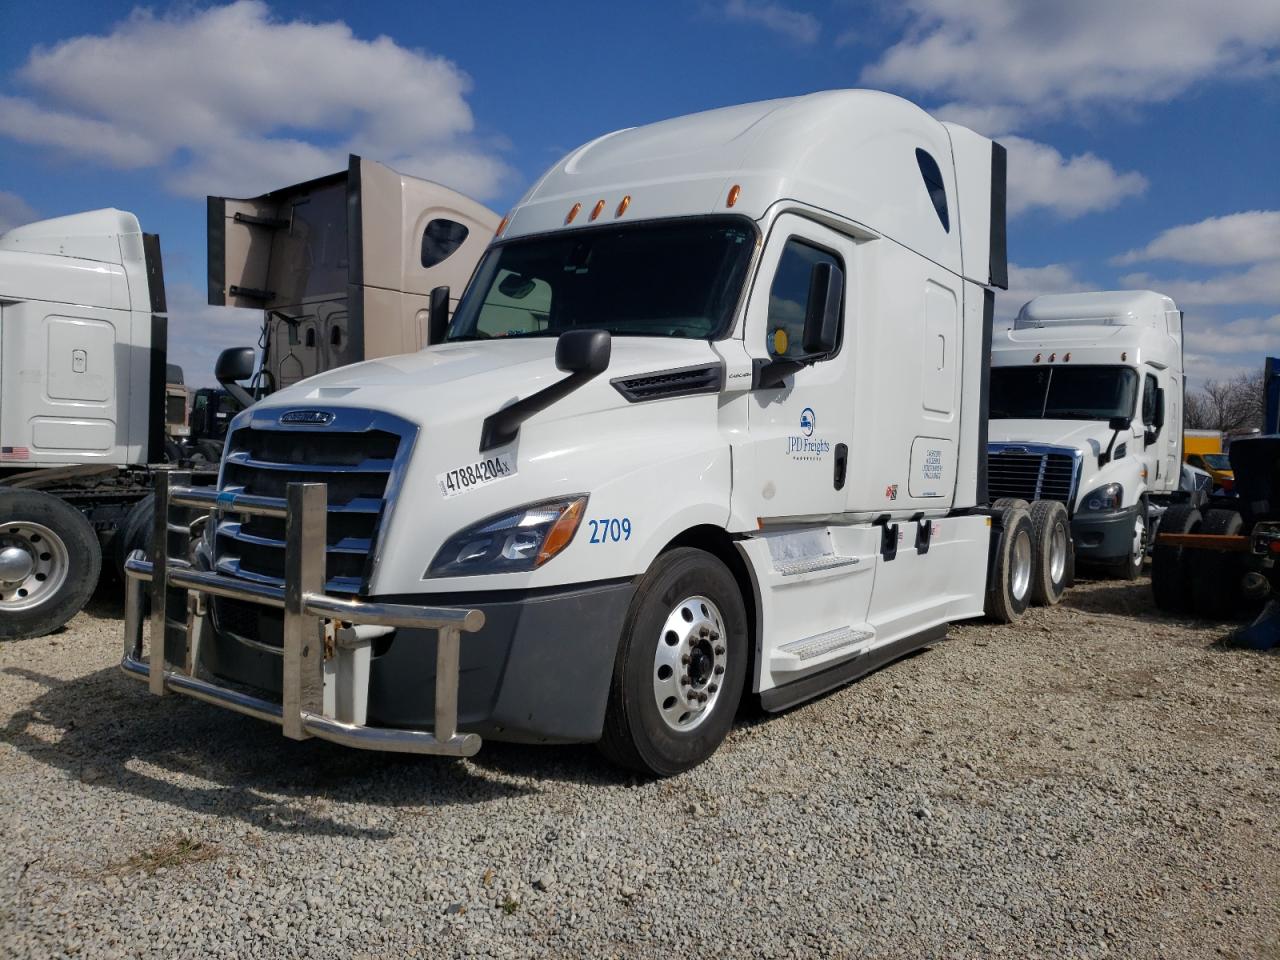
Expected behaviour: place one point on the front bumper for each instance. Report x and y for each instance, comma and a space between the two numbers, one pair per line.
1105, 536
323, 658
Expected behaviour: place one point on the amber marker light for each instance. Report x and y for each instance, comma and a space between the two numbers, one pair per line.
573, 212
1053, 357
1037, 359
562, 531
623, 204
597, 209
1066, 358
502, 226
734, 191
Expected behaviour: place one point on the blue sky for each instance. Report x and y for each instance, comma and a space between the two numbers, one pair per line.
1143, 136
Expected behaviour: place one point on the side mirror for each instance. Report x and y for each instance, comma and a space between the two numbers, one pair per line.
1120, 423
583, 351
235, 364
822, 319
438, 315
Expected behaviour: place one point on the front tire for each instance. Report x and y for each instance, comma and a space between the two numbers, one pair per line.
1130, 568
681, 666
50, 559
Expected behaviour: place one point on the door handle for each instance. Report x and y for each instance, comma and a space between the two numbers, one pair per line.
841, 465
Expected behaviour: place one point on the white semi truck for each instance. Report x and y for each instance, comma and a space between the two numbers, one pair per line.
709, 422
1086, 411
342, 268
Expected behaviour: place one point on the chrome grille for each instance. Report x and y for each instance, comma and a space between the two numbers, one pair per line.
357, 465
1032, 473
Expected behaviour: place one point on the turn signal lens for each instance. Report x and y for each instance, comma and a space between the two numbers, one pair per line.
502, 226
573, 212
1066, 357
597, 209
562, 531
1037, 359
734, 191
623, 204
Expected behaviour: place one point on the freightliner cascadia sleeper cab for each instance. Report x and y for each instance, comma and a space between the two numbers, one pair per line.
1086, 410
709, 422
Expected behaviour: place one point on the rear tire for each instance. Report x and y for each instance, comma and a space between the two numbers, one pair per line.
49, 563
655, 722
1009, 592
134, 533
1170, 572
1215, 576
1051, 563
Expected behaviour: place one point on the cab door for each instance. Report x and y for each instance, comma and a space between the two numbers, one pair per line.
793, 463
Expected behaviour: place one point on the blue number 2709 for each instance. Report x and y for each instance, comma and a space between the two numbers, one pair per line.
610, 530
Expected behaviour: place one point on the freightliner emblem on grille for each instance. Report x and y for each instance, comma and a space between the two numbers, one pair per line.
317, 418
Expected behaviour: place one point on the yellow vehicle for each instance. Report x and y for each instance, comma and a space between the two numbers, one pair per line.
1203, 449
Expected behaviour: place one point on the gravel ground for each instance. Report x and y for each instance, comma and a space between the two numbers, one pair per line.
1098, 781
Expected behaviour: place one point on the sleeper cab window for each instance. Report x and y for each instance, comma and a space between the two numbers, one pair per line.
440, 239
933, 183
789, 297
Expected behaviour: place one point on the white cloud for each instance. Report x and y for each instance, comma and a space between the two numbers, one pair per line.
199, 332
233, 100
1044, 59
1256, 335
1258, 284
14, 211
792, 24
1040, 176
1026, 283
1237, 238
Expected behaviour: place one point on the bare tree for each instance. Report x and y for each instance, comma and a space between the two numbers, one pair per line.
1230, 406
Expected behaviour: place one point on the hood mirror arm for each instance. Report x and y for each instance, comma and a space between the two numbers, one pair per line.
583, 354
1119, 425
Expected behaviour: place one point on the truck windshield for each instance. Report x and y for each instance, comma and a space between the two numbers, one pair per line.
1218, 461
678, 278
1062, 393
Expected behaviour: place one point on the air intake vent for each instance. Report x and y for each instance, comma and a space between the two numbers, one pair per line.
684, 382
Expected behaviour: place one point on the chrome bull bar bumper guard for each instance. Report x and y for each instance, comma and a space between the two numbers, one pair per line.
316, 698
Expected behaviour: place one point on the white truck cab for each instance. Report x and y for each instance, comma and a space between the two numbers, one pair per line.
1086, 393
708, 422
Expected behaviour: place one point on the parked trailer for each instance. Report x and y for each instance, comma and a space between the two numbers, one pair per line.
1222, 560
1086, 411
738, 303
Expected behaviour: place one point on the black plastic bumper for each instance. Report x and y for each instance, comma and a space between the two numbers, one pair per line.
1104, 537
538, 672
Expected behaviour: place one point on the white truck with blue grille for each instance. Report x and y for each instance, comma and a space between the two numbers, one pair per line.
709, 422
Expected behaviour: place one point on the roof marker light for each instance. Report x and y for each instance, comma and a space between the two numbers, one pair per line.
734, 191
623, 204
1037, 359
1124, 357
573, 212
502, 226
1066, 357
1053, 357
595, 211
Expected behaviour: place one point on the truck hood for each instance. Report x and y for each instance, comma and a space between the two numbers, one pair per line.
457, 381
1090, 436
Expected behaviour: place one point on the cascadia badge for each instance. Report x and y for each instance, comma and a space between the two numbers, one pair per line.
317, 418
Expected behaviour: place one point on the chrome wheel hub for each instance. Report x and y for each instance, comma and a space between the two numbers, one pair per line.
1058, 554
33, 564
1020, 580
689, 664
1139, 544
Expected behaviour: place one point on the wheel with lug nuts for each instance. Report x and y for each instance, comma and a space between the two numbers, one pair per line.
49, 563
680, 667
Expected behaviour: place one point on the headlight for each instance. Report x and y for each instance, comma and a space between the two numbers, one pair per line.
521, 539
1106, 497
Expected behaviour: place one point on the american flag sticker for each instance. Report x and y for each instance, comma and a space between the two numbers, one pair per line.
15, 453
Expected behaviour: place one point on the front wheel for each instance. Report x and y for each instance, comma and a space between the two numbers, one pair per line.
1131, 566
49, 563
681, 666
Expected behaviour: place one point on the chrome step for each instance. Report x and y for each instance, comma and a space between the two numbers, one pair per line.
823, 643
826, 561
